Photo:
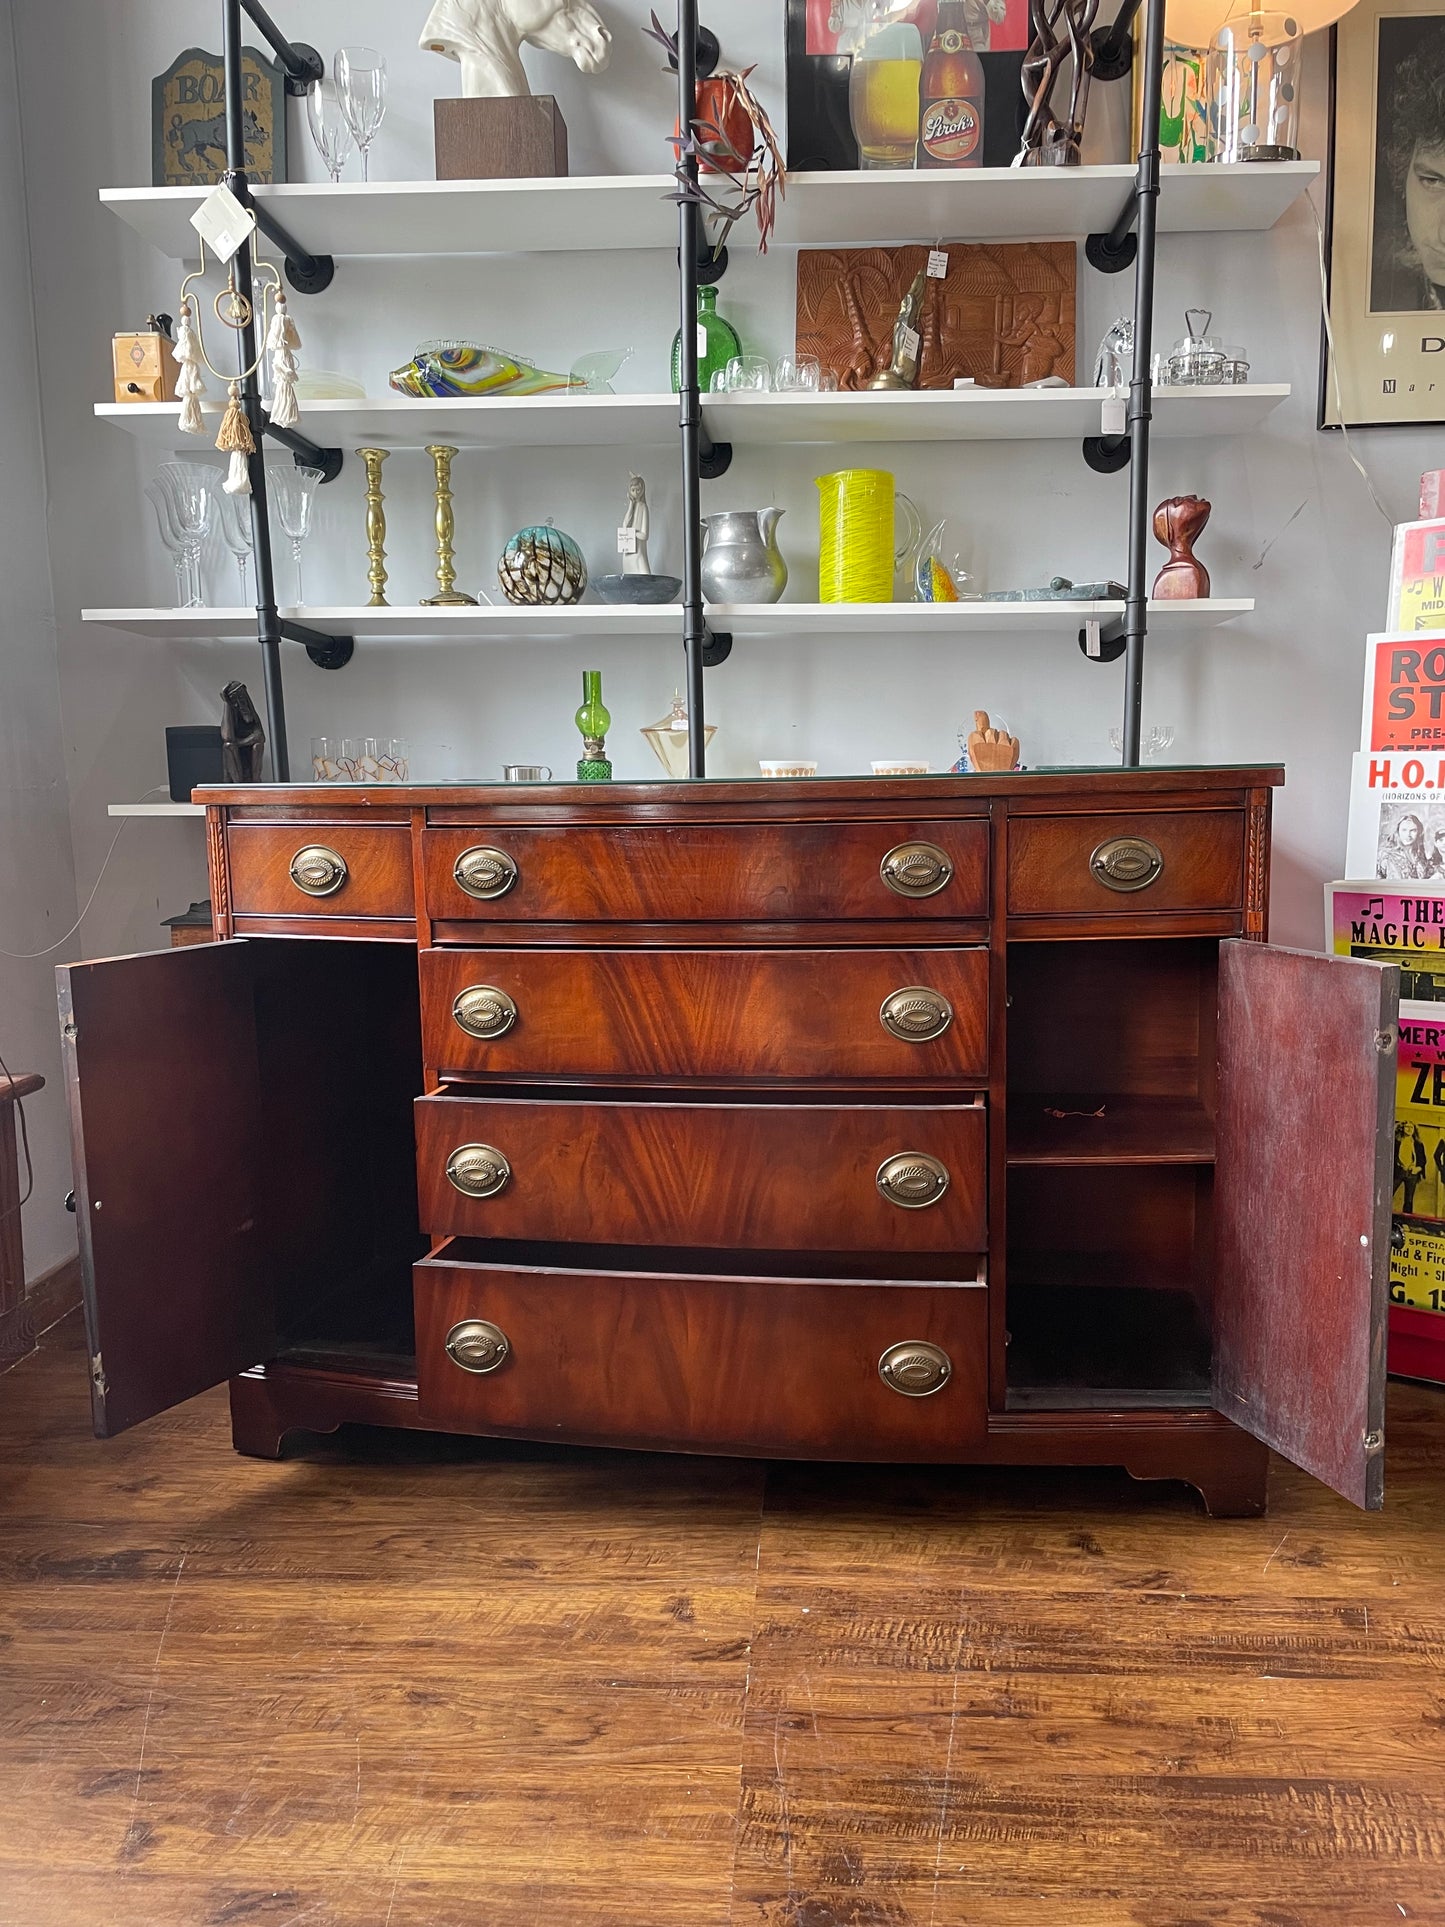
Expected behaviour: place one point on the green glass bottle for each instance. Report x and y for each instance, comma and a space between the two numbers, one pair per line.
717, 342
594, 722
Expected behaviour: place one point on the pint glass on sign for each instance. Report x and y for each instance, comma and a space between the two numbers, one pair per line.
883, 96
950, 128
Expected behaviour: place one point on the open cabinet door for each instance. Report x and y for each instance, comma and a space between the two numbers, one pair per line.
160, 1067
1302, 1195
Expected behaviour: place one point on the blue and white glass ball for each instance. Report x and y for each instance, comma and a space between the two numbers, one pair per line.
542, 567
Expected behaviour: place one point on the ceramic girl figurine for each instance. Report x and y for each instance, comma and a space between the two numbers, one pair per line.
639, 519
485, 38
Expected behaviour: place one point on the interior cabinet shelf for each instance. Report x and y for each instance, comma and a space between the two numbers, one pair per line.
584, 213
1130, 1130
753, 621
596, 421
155, 809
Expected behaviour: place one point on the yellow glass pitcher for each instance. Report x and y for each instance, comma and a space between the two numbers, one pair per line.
861, 518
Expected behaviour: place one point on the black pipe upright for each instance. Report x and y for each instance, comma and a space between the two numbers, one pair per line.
694, 623
268, 622
1146, 193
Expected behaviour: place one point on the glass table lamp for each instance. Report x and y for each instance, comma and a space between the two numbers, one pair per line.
1253, 71
669, 737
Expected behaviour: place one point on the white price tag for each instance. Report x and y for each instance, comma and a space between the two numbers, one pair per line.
912, 342
222, 223
627, 541
1114, 419
937, 264
701, 341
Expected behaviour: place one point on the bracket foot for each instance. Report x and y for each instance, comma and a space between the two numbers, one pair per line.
1102, 641
303, 83
1101, 251
313, 278
715, 459
716, 648
1106, 454
1113, 53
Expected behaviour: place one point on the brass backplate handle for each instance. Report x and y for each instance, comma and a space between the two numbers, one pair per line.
478, 1171
915, 1368
481, 1010
1127, 863
485, 873
916, 869
912, 1180
317, 871
916, 1014
479, 1346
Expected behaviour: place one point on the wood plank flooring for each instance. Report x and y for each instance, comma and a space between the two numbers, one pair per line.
408, 1682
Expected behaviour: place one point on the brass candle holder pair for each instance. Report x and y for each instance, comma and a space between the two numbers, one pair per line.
448, 595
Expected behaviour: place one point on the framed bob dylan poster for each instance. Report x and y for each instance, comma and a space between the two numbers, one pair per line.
188, 120
1387, 218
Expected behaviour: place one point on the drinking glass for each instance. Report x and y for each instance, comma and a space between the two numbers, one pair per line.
797, 375
1157, 743
393, 759
326, 759
349, 761
236, 534
190, 491
361, 83
330, 128
828, 382
171, 536
749, 373
294, 490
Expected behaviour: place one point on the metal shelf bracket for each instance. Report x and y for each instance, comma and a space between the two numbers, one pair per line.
327, 652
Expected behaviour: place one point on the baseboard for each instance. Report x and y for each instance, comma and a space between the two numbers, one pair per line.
49, 1298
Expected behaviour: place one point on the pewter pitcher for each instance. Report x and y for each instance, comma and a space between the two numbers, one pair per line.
741, 560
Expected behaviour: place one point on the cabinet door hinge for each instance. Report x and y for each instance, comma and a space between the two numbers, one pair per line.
97, 1374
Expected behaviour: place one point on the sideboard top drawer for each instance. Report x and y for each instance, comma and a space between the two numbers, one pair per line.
806, 1367
321, 869
915, 1017
723, 872
1126, 865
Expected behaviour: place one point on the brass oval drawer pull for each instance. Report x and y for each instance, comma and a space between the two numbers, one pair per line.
915, 1368
485, 873
916, 1014
478, 1171
478, 1346
912, 1180
318, 871
483, 1011
916, 869
1127, 863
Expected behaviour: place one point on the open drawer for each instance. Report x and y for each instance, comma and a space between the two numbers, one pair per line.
570, 1343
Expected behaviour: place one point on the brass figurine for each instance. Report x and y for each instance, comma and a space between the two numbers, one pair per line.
902, 370
449, 596
375, 525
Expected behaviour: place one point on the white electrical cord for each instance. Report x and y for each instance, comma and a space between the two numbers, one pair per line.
32, 956
1363, 472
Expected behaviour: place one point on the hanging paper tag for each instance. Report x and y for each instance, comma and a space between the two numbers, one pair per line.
627, 541
222, 223
1114, 420
701, 341
912, 342
937, 264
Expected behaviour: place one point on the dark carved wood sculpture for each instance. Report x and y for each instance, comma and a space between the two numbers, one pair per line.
1049, 141
1001, 316
243, 740
1178, 524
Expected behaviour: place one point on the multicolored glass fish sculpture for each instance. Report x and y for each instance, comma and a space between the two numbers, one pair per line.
450, 370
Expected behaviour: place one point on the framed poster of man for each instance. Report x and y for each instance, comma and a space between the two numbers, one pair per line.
1387, 218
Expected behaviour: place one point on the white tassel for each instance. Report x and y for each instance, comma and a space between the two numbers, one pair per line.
282, 341
238, 480
191, 383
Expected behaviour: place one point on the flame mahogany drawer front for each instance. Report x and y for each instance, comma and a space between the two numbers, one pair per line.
917, 1017
1127, 865
680, 873
769, 1177
321, 869
803, 1367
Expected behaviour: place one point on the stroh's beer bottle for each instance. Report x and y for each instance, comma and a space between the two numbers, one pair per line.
950, 128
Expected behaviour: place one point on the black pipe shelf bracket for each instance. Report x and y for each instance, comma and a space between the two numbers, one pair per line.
717, 646
326, 651
714, 459
307, 273
1106, 454
1102, 640
308, 454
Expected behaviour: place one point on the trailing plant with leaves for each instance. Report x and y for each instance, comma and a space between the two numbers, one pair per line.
759, 171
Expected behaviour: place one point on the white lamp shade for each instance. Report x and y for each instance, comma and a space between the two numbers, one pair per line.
1194, 23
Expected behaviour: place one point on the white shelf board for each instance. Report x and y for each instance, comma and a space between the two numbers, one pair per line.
593, 421
155, 809
820, 210
753, 620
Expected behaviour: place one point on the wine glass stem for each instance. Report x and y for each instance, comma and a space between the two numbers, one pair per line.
243, 564
194, 599
183, 579
366, 161
300, 588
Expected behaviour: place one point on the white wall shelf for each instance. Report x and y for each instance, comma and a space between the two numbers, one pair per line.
155, 809
594, 421
777, 621
821, 210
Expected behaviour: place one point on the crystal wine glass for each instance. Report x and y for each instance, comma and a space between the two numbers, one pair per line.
294, 490
361, 84
236, 533
190, 490
171, 536
330, 128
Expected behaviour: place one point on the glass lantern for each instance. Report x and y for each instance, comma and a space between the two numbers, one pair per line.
1253, 88
1198, 358
669, 737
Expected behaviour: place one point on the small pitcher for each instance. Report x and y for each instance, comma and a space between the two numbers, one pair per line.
868, 530
741, 560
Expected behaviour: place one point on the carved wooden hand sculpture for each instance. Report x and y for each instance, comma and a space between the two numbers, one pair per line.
990, 748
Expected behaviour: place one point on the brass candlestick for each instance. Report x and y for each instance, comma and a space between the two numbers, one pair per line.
375, 525
449, 595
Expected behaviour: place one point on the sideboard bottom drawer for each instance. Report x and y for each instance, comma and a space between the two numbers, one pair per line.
692, 1361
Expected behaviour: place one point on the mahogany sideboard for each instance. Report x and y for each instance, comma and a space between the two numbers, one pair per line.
951, 1119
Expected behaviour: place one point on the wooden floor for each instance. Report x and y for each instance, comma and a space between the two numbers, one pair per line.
404, 1682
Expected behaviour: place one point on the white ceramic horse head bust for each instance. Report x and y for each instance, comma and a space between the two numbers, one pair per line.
486, 36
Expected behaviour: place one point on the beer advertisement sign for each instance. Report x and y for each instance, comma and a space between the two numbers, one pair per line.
188, 119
